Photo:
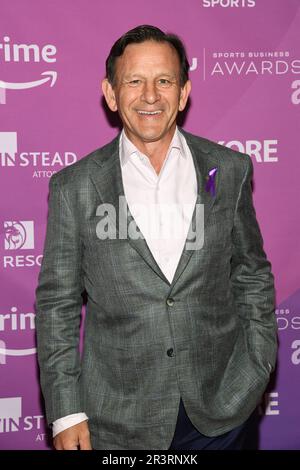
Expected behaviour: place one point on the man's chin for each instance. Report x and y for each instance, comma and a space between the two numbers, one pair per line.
152, 136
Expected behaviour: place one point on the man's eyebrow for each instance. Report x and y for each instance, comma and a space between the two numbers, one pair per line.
139, 75
167, 75
130, 75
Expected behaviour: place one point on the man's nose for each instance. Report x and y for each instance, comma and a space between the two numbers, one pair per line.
150, 93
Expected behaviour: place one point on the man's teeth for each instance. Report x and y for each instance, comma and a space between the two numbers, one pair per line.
149, 112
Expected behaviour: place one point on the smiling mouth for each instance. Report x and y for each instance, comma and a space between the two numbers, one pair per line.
149, 113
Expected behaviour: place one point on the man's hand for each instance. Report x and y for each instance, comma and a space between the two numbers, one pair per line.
74, 437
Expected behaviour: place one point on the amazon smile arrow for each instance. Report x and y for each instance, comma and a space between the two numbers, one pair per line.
50, 76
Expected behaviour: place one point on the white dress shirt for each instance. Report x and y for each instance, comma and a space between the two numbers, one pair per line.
162, 206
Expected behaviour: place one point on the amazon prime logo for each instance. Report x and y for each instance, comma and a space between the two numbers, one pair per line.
4, 352
19, 323
26, 53
18, 235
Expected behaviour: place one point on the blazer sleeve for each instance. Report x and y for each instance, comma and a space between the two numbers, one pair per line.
58, 305
252, 280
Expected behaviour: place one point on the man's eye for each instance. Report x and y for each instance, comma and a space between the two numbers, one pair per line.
164, 82
134, 82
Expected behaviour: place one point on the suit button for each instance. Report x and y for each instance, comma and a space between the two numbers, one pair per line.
170, 352
170, 302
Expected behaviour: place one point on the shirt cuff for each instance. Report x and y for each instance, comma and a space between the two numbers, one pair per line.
67, 421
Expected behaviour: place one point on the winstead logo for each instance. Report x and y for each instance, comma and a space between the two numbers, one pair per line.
8, 148
11, 419
10, 414
48, 161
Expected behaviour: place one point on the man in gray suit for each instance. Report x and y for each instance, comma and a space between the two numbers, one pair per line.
180, 335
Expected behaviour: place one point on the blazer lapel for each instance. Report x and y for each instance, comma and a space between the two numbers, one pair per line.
204, 161
107, 179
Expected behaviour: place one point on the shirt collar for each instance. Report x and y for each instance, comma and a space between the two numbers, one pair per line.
127, 148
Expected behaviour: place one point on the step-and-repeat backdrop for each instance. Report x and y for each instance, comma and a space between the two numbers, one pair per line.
245, 71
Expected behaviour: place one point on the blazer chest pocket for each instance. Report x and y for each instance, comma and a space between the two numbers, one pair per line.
220, 214
218, 227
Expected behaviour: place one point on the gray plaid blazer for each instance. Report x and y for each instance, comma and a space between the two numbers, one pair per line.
208, 337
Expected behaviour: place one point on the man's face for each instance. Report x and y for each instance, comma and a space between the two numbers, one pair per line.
147, 92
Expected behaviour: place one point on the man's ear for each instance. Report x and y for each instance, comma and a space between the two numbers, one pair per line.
109, 95
184, 94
